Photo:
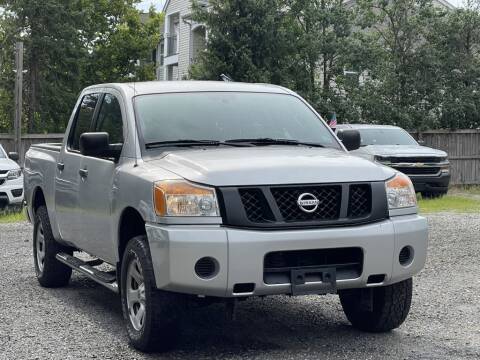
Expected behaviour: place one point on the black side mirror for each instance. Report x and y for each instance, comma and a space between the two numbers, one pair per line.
350, 138
94, 144
14, 156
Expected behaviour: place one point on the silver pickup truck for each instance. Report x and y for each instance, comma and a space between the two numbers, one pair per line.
201, 192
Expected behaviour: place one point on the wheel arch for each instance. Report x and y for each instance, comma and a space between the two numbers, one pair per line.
38, 199
131, 224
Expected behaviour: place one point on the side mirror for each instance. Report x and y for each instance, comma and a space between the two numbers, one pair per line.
94, 144
421, 142
14, 156
350, 138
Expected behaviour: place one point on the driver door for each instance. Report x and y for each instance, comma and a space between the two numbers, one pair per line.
98, 184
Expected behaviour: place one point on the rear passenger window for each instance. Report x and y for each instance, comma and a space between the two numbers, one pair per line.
83, 120
110, 119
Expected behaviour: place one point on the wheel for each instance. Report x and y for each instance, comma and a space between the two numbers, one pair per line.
50, 272
151, 314
391, 305
433, 195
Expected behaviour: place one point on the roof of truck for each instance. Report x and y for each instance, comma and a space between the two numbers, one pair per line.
158, 87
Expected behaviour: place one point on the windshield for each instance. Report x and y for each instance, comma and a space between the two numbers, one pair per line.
386, 137
2, 153
224, 116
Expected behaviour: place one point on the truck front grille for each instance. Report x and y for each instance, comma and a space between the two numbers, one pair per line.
416, 159
329, 207
277, 266
359, 204
418, 170
2, 181
256, 206
280, 206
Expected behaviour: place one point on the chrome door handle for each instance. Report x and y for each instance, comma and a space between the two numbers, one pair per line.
83, 173
60, 166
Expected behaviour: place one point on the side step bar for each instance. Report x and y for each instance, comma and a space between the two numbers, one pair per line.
106, 279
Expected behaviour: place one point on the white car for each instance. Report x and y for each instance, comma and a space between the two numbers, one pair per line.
11, 179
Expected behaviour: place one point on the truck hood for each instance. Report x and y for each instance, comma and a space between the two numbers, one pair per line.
8, 164
402, 150
270, 165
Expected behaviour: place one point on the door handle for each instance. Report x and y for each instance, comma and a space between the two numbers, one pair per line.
83, 173
60, 166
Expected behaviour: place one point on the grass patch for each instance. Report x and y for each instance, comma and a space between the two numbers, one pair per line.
463, 190
450, 203
12, 216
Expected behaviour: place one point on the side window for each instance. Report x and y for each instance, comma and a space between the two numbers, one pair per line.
110, 119
83, 121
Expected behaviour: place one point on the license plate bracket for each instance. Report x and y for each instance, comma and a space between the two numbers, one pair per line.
312, 281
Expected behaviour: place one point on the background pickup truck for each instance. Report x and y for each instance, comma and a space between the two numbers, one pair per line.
205, 192
429, 169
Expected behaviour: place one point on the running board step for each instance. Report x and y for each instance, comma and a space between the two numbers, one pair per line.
106, 279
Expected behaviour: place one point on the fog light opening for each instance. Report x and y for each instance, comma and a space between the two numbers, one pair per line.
406, 256
245, 288
207, 268
376, 279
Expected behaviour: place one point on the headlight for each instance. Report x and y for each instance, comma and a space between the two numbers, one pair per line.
381, 159
445, 169
400, 192
181, 198
14, 174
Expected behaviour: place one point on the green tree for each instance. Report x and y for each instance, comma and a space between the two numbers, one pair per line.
69, 45
247, 39
121, 49
49, 30
455, 44
400, 75
323, 33
6, 80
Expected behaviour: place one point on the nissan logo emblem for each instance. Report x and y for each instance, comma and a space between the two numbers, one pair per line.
308, 203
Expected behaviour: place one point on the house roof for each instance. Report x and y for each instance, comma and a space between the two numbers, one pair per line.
165, 6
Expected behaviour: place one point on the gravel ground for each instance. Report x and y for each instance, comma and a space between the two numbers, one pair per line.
84, 320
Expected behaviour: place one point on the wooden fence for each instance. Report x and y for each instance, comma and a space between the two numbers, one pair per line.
462, 146
8, 142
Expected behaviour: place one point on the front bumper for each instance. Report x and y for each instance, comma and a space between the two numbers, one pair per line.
240, 254
432, 184
11, 192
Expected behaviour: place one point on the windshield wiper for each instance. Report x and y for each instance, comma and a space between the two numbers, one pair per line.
271, 141
188, 143
185, 142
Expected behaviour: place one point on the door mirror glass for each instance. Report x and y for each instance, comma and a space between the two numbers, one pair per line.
95, 144
14, 156
350, 138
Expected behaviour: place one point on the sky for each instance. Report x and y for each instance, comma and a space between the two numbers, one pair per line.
145, 5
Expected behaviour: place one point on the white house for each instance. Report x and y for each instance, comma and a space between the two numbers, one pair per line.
184, 39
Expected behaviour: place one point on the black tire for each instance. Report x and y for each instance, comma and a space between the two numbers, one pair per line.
159, 328
391, 305
50, 272
433, 195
